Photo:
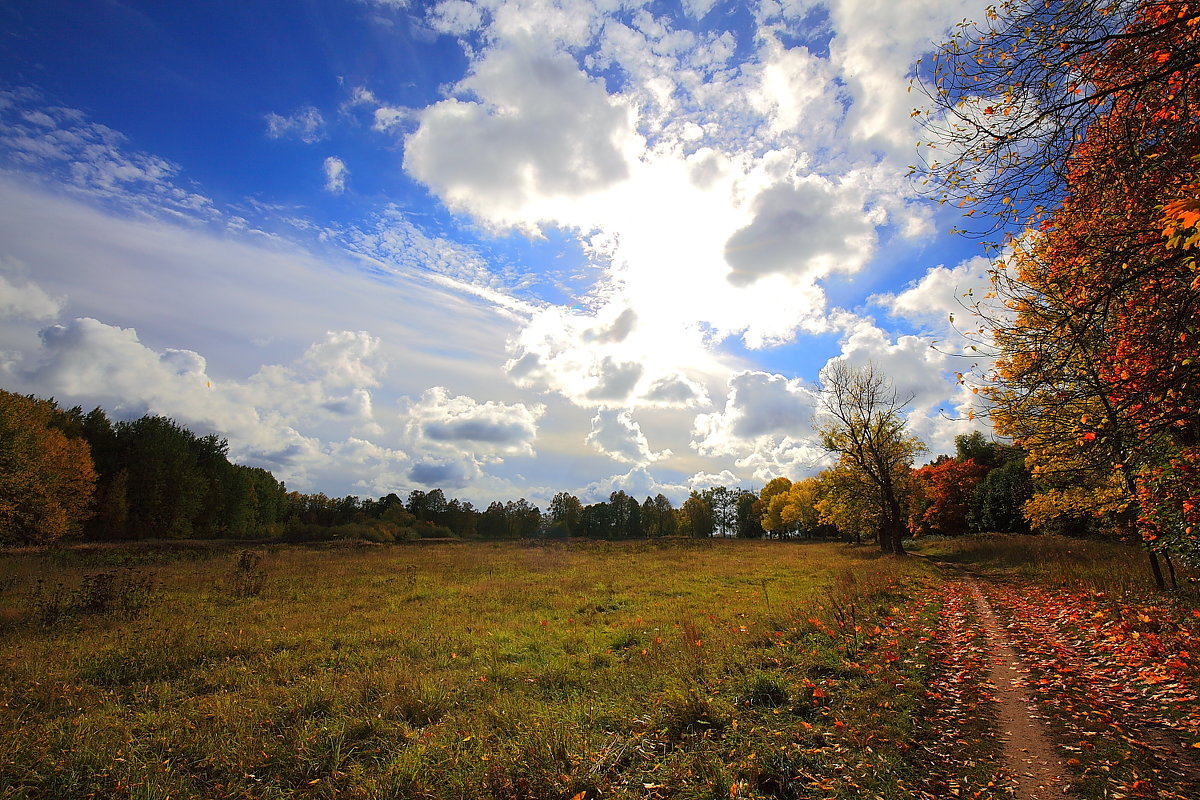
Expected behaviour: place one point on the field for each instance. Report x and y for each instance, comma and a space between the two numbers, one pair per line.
619, 670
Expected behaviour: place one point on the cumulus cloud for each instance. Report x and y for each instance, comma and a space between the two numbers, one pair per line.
526, 127
463, 424
444, 472
305, 124
759, 404
85, 357
456, 17
335, 175
809, 229
638, 483
795, 88
614, 380
21, 298
941, 292
939, 408
873, 49
766, 425
676, 391
617, 435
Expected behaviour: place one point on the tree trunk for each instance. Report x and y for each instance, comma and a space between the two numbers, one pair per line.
1171, 570
1156, 570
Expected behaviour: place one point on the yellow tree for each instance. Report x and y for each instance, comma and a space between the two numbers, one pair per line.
772, 498
46, 478
800, 506
847, 502
864, 424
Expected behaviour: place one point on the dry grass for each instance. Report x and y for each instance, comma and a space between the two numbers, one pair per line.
1113, 567
473, 670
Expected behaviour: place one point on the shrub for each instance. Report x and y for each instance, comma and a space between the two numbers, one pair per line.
249, 578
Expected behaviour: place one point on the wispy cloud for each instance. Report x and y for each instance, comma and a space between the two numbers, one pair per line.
305, 124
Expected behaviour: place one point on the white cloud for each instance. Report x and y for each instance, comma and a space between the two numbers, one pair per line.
456, 17
57, 146
807, 230
305, 124
939, 408
719, 178
617, 435
797, 91
875, 46
462, 424
638, 483
766, 425
940, 293
21, 298
540, 130
335, 175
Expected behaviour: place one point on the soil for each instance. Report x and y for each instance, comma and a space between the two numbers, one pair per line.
1037, 772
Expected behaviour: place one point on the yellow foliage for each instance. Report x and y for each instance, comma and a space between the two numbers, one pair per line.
47, 479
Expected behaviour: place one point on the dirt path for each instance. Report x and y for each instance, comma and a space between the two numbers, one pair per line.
1036, 769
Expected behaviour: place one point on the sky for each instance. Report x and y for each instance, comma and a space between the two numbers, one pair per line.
504, 249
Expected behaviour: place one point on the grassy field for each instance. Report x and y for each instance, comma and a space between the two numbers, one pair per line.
616, 670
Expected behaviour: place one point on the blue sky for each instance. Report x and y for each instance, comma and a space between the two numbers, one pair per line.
501, 248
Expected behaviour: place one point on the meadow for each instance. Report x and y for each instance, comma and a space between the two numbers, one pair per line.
668, 669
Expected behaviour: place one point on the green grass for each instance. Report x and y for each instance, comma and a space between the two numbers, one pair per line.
688, 670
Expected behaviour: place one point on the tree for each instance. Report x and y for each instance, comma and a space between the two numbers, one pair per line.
47, 478
749, 518
1012, 98
999, 501
1088, 140
626, 515
948, 487
596, 521
658, 516
524, 520
799, 512
565, 510
846, 501
865, 427
773, 497
493, 523
697, 517
723, 505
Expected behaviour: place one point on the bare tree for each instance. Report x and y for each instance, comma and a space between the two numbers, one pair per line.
865, 425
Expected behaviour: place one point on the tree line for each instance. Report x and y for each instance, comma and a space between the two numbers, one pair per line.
66, 474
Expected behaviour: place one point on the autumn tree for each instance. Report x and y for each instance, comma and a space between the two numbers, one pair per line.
772, 498
47, 478
800, 512
864, 424
1012, 97
1077, 123
845, 501
947, 488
